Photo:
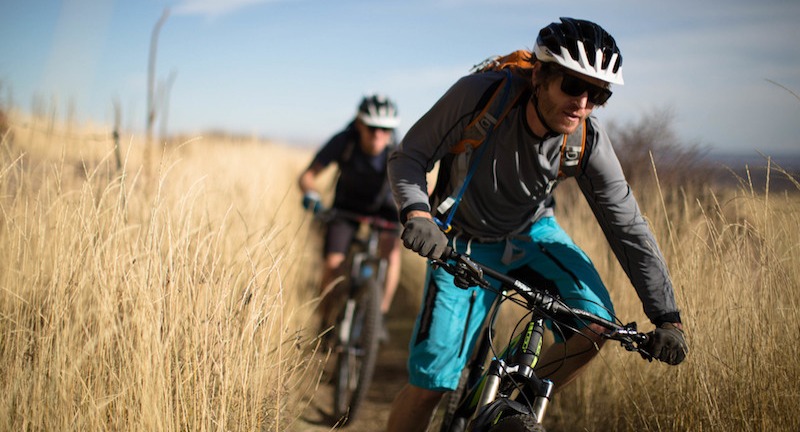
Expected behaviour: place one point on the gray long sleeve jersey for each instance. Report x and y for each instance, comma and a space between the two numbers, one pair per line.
512, 185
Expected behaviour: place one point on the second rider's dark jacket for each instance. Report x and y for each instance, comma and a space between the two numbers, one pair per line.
362, 186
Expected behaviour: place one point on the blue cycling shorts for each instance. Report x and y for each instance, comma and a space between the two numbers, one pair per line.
450, 320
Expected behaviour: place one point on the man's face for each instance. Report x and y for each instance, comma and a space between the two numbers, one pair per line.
562, 111
373, 140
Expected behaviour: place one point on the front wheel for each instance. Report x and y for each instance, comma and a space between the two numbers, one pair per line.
451, 421
517, 423
357, 351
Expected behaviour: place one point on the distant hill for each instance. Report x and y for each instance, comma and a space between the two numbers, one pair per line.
756, 165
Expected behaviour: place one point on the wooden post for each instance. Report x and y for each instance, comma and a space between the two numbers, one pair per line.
123, 199
151, 110
163, 98
117, 118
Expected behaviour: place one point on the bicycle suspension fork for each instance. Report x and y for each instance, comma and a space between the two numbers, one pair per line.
523, 354
366, 265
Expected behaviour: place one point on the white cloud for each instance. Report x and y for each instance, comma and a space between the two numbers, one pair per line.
213, 8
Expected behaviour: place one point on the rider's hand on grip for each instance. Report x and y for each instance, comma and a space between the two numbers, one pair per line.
312, 202
424, 237
667, 344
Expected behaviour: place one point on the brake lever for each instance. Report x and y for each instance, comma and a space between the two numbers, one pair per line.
632, 346
466, 273
630, 339
474, 270
644, 353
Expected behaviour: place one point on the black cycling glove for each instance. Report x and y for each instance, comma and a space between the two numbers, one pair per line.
312, 202
667, 344
424, 237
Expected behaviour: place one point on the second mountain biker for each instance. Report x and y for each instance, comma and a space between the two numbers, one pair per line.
360, 151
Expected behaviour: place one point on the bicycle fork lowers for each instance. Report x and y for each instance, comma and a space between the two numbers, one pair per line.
366, 269
509, 386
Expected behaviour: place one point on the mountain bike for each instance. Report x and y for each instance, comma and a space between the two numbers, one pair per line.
357, 325
507, 395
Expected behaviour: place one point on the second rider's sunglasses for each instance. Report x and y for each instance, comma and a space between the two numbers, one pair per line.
574, 86
374, 129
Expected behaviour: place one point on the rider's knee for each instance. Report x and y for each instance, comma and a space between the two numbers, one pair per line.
595, 332
424, 395
590, 335
334, 261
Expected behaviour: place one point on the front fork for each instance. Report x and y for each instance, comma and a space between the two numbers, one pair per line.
363, 268
346, 323
523, 353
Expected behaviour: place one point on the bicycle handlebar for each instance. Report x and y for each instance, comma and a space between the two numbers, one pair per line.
377, 222
471, 273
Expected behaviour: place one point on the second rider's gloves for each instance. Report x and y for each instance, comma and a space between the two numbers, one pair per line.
312, 202
667, 344
424, 237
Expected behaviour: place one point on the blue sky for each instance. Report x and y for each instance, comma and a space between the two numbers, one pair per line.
294, 70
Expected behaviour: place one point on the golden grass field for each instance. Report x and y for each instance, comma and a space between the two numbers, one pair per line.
180, 297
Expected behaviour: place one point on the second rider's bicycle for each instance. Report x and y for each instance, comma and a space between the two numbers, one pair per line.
508, 396
357, 325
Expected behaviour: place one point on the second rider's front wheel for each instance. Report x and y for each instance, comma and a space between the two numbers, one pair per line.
357, 354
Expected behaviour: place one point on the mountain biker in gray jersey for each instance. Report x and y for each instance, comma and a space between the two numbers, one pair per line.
360, 151
505, 218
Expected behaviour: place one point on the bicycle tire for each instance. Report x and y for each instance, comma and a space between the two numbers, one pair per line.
517, 423
355, 363
451, 402
470, 375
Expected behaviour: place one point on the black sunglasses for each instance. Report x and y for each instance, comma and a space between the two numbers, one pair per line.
373, 129
574, 86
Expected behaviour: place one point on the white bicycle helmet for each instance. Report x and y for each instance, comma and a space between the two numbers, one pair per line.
581, 46
378, 111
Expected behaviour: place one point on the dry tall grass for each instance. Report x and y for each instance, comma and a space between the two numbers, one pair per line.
171, 303
181, 302
733, 256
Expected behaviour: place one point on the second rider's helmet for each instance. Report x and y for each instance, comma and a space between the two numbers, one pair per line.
581, 46
378, 111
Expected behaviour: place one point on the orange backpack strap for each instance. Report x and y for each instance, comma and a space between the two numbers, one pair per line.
572, 150
519, 59
475, 132
503, 99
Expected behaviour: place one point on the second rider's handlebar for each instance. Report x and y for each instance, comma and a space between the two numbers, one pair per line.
329, 214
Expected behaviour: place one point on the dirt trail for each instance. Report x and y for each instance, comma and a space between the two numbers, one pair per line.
390, 377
